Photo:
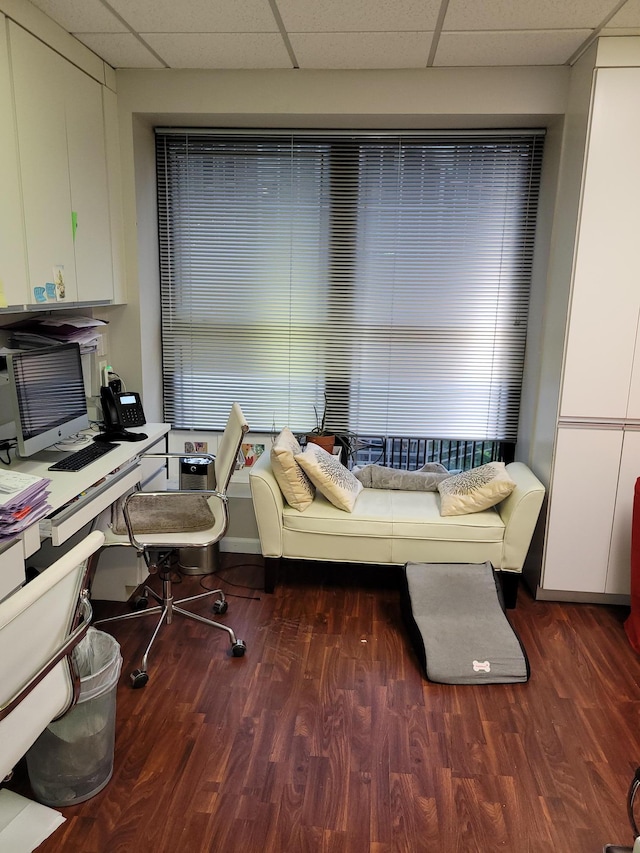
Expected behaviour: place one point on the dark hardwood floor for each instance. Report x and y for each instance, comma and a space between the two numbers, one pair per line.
326, 737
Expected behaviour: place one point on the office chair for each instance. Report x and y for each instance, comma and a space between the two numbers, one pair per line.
159, 524
40, 625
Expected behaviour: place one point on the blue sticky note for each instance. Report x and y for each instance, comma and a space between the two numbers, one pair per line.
39, 294
50, 290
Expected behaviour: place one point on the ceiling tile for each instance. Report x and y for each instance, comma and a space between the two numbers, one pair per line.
361, 50
220, 50
120, 51
197, 16
526, 14
512, 48
335, 16
628, 16
86, 16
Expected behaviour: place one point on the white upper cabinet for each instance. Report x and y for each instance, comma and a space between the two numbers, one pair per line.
63, 173
605, 303
13, 269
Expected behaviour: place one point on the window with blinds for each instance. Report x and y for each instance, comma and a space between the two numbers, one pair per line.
387, 274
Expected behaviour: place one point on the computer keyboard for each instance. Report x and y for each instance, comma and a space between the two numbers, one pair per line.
83, 457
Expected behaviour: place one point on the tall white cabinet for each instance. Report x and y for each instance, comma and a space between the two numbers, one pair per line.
63, 172
13, 269
597, 451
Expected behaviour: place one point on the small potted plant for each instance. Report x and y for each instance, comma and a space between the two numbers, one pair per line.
320, 434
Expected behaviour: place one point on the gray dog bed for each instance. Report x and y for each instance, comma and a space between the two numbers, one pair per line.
456, 619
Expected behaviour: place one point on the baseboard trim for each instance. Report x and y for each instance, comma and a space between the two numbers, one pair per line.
582, 597
240, 545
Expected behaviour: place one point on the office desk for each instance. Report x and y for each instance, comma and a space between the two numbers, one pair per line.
76, 498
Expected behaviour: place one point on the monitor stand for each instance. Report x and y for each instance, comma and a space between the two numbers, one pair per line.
120, 435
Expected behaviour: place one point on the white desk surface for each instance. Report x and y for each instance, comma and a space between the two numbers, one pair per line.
67, 485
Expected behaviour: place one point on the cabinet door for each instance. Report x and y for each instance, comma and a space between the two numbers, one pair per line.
89, 188
39, 91
582, 500
605, 301
13, 266
618, 574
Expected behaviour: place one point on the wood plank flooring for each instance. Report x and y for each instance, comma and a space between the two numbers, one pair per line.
326, 737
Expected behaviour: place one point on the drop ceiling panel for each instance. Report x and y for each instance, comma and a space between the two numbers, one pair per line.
514, 48
85, 16
361, 50
311, 16
527, 14
220, 50
197, 16
120, 51
628, 16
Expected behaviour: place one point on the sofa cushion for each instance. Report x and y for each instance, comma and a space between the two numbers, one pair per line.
417, 516
330, 476
475, 490
372, 517
296, 487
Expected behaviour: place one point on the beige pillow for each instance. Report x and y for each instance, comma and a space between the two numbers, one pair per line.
297, 488
475, 490
330, 477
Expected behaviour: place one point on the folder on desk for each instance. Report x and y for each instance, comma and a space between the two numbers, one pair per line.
23, 500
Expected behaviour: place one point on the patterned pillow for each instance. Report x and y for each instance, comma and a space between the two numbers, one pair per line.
330, 476
475, 490
297, 488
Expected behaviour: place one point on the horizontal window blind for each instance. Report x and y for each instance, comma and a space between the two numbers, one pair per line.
386, 273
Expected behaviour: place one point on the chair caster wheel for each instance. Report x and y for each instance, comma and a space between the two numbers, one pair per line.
140, 602
220, 606
238, 649
138, 678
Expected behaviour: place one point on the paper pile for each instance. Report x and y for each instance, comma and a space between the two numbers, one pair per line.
23, 500
47, 331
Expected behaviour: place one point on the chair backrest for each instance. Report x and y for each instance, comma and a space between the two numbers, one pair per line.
34, 623
229, 447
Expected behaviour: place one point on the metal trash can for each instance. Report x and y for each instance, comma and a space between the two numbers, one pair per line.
198, 472
72, 760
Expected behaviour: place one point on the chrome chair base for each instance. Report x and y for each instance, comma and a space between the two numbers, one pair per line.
166, 607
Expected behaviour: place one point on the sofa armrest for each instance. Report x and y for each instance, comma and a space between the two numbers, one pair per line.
268, 504
519, 513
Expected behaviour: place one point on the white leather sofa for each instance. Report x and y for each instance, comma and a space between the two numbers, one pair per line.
393, 528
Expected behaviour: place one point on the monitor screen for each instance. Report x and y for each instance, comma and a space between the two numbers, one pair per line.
48, 398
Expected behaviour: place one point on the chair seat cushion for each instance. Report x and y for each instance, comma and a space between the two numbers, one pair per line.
164, 514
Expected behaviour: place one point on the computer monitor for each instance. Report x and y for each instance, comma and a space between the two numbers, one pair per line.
47, 396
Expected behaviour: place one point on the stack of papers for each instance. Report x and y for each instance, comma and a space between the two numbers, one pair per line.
46, 331
23, 500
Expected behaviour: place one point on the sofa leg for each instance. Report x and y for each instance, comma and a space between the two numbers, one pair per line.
509, 582
271, 571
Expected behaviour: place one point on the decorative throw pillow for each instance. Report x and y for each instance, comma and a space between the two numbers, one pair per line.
425, 479
297, 488
330, 477
475, 490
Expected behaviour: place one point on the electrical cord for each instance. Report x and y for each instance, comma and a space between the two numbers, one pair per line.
231, 583
8, 446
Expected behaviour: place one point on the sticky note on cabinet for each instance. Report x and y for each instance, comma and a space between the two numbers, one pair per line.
3, 298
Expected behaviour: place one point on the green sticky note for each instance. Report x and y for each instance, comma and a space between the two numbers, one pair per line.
74, 223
